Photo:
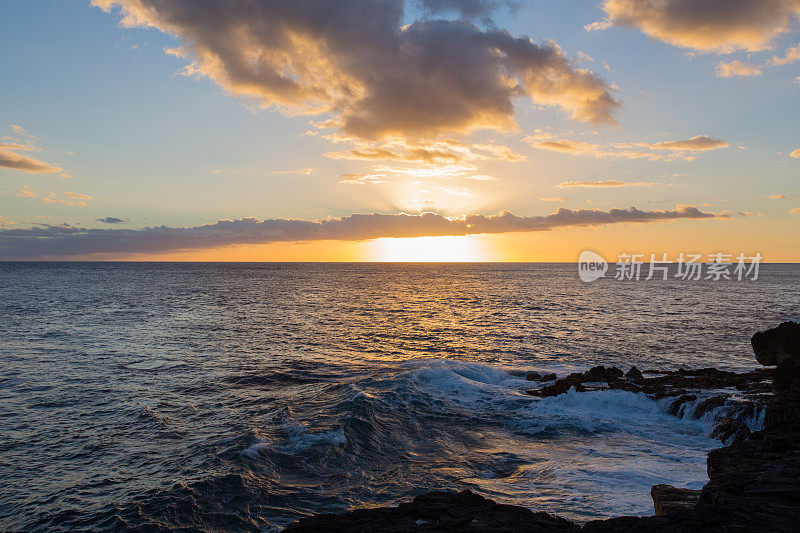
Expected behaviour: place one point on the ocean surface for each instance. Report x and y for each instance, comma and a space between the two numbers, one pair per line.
244, 396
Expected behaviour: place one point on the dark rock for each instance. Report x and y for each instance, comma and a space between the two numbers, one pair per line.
778, 345
667, 498
730, 429
533, 376
709, 404
601, 373
437, 511
625, 385
559, 387
677, 404
785, 406
634, 374
548, 377
757, 480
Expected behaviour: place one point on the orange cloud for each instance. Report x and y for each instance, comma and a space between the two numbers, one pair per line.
65, 198
603, 184
708, 26
737, 69
682, 149
9, 158
14, 161
433, 152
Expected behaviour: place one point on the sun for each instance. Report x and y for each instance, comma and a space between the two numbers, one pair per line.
427, 249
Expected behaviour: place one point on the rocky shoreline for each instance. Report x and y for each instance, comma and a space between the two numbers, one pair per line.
754, 481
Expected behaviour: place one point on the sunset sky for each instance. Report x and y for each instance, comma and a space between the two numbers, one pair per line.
471, 129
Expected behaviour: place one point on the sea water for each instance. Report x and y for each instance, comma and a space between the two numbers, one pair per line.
244, 396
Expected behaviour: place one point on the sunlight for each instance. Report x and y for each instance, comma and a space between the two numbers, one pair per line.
427, 249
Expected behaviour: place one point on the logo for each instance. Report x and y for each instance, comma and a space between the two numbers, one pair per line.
591, 266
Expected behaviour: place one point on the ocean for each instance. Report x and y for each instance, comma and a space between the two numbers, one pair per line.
244, 396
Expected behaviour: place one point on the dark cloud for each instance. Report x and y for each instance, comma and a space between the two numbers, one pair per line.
706, 25
376, 76
111, 220
470, 9
68, 241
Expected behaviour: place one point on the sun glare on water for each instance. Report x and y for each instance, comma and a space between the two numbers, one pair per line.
427, 249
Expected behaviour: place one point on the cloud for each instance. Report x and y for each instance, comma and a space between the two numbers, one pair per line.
9, 158
682, 149
362, 179
791, 55
794, 211
5, 222
14, 161
111, 220
737, 69
434, 152
375, 75
603, 184
599, 25
795, 154
27, 192
553, 199
707, 25
19, 130
66, 198
69, 241
697, 143
777, 197
470, 9
303, 171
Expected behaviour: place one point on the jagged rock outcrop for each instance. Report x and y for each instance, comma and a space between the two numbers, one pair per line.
667, 498
573, 381
778, 345
437, 511
634, 374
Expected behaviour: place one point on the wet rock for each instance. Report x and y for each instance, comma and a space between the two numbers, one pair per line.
709, 404
778, 345
784, 408
601, 373
437, 511
536, 376
677, 404
559, 387
757, 480
625, 385
667, 498
634, 374
730, 429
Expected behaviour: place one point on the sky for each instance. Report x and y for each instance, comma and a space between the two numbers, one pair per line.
384, 130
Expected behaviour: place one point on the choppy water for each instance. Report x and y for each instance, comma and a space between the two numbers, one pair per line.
244, 396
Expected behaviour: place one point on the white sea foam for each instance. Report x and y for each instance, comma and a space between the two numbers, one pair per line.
606, 447
254, 450
300, 438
